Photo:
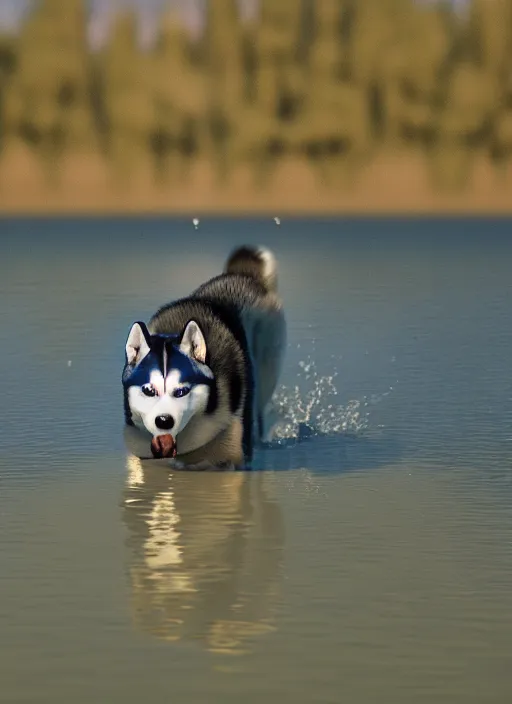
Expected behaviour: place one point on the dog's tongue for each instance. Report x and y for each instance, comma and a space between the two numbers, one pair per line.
163, 446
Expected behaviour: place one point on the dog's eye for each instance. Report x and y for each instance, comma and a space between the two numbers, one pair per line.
178, 393
149, 390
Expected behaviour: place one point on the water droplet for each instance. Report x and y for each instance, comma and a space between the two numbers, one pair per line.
311, 407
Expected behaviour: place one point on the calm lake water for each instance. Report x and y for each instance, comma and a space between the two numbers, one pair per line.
369, 562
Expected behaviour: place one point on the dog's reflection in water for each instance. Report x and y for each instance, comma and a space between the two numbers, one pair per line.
204, 554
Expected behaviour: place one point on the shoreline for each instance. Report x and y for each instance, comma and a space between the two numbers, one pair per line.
392, 185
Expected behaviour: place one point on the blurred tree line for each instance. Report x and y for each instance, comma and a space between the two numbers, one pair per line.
335, 82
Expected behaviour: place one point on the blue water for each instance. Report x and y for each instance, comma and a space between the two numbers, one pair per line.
373, 555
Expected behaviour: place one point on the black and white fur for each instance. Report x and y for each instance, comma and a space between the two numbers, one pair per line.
206, 366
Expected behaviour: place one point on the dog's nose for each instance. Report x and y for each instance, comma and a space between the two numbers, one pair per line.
164, 422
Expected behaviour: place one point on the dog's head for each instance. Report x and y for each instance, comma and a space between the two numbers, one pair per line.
166, 378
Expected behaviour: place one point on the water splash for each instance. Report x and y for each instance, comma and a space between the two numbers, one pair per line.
312, 407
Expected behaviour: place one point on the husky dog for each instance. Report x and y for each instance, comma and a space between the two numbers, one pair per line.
198, 380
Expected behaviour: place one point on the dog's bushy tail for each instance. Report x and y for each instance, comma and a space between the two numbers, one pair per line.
256, 262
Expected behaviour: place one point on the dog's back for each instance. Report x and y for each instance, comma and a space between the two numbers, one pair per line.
249, 285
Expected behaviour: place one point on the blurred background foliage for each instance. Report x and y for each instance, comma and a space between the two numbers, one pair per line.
331, 82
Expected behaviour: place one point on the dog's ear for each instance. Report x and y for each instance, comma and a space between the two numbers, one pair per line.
193, 343
138, 343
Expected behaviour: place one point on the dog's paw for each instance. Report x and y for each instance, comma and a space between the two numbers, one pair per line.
190, 466
202, 466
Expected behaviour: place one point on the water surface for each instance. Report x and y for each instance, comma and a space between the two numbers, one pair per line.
368, 558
